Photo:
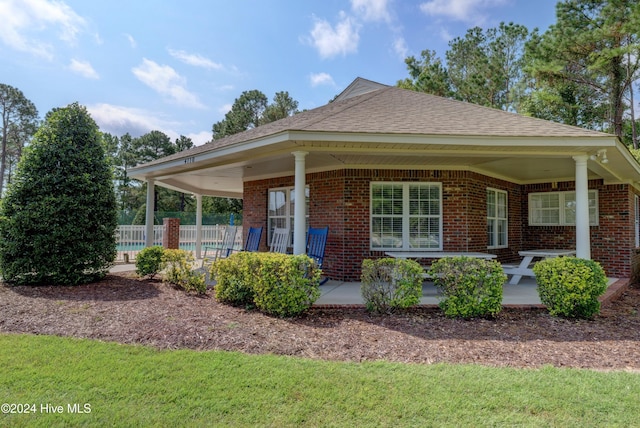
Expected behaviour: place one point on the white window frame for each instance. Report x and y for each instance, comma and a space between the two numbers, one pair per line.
405, 216
289, 211
562, 221
496, 219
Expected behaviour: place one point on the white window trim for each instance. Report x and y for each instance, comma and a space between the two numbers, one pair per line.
561, 203
288, 190
506, 194
405, 216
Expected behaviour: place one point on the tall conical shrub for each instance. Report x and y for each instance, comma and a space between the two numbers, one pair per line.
58, 217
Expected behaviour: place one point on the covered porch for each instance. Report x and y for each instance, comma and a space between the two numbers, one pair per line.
372, 136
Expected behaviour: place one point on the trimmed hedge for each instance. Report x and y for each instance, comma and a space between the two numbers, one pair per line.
570, 287
277, 284
471, 287
389, 284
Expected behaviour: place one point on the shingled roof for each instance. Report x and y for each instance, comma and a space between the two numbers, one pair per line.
391, 110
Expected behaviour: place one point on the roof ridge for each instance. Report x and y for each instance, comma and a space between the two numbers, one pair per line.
347, 104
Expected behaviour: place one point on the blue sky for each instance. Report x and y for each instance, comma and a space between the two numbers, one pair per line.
177, 66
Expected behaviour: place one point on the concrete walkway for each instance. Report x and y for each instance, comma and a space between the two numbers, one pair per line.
340, 294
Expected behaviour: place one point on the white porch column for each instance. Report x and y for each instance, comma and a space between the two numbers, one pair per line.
299, 221
583, 238
198, 226
151, 186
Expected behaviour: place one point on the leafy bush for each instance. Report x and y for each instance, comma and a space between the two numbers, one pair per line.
287, 285
570, 286
59, 213
277, 284
180, 271
150, 261
235, 277
389, 284
471, 287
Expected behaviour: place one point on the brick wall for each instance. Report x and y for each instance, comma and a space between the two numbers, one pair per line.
340, 199
612, 241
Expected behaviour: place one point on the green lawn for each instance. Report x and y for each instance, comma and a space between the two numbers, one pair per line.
138, 386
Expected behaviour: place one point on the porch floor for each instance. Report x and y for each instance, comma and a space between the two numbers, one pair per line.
340, 294
525, 294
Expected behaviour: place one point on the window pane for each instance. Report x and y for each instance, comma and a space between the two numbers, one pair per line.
502, 232
491, 232
491, 203
386, 232
277, 203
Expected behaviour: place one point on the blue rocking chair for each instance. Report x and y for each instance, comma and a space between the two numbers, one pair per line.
252, 243
316, 243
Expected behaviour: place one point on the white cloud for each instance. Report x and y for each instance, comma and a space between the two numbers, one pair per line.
25, 23
166, 81
200, 138
372, 10
400, 47
84, 69
461, 10
318, 79
224, 109
132, 41
119, 120
330, 41
196, 60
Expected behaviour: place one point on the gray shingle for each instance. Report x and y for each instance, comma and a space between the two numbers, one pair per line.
391, 110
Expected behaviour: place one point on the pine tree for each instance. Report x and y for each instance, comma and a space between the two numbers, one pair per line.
58, 219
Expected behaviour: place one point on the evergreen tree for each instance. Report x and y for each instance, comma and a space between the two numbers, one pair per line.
58, 218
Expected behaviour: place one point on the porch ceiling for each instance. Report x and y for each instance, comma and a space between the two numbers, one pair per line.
523, 161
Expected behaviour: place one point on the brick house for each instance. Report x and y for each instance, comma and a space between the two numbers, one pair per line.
390, 169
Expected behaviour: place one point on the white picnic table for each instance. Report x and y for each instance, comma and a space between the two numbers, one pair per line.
437, 254
523, 269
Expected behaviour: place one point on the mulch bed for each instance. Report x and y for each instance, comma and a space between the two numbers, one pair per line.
125, 309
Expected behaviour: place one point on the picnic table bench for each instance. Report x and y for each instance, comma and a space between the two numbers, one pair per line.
524, 268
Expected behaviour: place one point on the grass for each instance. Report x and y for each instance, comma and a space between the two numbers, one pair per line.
138, 386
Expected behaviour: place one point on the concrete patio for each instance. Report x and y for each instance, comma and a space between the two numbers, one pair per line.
524, 294
336, 294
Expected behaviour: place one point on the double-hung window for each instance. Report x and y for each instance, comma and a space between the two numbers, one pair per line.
497, 220
406, 216
559, 208
282, 203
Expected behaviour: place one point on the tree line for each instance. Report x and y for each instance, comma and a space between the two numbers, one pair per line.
20, 121
580, 72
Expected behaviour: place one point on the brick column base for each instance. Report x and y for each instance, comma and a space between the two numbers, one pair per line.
171, 233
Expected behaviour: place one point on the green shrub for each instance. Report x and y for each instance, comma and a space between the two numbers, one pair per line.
570, 286
150, 261
235, 277
59, 212
388, 284
180, 271
287, 285
471, 287
277, 284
